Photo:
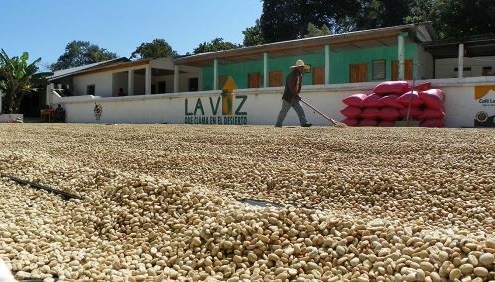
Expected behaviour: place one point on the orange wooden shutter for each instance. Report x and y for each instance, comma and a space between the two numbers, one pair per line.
319, 75
408, 70
275, 79
254, 80
358, 73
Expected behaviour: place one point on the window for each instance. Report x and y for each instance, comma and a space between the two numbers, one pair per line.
379, 71
193, 84
254, 80
275, 79
90, 89
487, 71
466, 72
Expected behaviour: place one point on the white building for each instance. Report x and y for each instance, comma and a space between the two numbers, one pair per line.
188, 89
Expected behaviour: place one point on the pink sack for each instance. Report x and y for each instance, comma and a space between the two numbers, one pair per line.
414, 113
391, 101
386, 123
367, 122
355, 100
423, 87
429, 113
350, 121
372, 101
432, 98
388, 114
392, 87
433, 123
410, 97
351, 112
370, 113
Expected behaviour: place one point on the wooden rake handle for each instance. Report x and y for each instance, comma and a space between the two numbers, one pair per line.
322, 114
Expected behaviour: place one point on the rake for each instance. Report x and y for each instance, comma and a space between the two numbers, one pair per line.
335, 123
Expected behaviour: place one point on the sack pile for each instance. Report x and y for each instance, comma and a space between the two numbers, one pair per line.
392, 101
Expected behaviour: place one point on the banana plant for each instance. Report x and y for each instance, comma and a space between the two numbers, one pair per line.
18, 78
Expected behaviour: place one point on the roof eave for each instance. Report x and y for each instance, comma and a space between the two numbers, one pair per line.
423, 32
89, 68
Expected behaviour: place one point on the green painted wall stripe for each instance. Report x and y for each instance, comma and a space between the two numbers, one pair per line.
339, 65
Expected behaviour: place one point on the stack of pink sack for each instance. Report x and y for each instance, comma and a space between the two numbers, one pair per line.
395, 100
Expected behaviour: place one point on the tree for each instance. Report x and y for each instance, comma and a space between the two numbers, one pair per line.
421, 11
156, 49
280, 20
18, 78
455, 18
286, 20
216, 44
80, 53
313, 30
381, 13
252, 35
464, 18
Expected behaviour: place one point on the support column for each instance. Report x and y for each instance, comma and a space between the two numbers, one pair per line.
176, 78
265, 70
49, 94
130, 82
401, 51
460, 61
327, 64
147, 79
215, 74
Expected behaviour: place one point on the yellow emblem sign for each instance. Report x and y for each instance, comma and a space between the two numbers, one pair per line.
229, 85
481, 91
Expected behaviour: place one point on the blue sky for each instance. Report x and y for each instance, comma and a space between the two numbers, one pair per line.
44, 27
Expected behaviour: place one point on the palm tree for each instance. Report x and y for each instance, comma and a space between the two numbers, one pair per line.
18, 79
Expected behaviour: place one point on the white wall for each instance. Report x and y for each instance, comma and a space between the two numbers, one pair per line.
444, 68
189, 72
102, 82
139, 84
425, 60
108, 83
261, 106
120, 81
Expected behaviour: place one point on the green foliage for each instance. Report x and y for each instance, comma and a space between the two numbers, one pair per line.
381, 13
288, 19
80, 53
455, 18
156, 49
313, 30
18, 78
252, 35
216, 44
465, 18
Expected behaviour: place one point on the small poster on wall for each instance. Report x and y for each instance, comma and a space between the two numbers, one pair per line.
485, 97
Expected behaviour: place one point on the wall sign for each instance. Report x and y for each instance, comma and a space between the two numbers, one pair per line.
485, 97
207, 110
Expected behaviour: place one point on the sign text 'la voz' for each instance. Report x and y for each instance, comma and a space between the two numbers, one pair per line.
207, 110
